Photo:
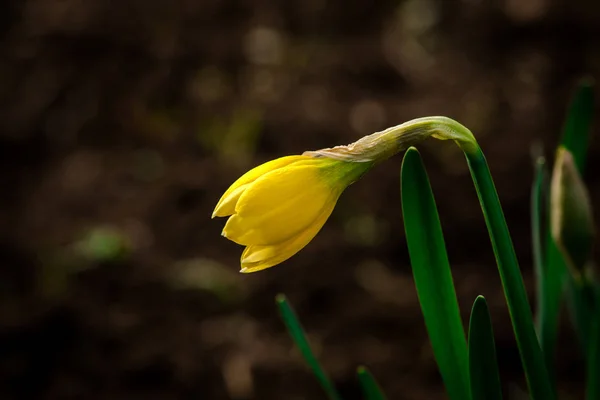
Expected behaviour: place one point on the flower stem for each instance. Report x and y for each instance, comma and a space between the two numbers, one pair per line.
536, 373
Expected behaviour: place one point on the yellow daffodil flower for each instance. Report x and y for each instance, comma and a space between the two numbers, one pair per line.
278, 207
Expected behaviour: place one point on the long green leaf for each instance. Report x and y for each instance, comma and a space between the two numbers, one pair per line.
538, 379
369, 385
580, 297
575, 138
593, 361
553, 280
579, 303
433, 279
538, 212
483, 367
576, 132
297, 333
548, 292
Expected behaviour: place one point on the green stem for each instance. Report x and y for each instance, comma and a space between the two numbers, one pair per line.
536, 373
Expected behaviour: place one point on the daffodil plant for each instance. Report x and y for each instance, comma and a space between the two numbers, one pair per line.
277, 208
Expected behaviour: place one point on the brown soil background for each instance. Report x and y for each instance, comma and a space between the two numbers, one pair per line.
133, 117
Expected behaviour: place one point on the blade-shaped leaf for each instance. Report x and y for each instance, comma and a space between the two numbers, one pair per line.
538, 379
593, 361
538, 212
579, 300
369, 385
575, 138
483, 367
548, 292
576, 132
433, 279
297, 333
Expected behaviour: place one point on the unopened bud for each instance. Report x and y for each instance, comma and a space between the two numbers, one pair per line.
571, 217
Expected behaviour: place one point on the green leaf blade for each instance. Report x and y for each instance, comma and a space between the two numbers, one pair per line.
297, 333
593, 361
433, 278
575, 138
548, 279
580, 306
538, 378
369, 385
483, 366
538, 212
582, 296
576, 132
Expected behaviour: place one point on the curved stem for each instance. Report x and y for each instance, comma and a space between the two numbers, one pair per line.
514, 289
379, 146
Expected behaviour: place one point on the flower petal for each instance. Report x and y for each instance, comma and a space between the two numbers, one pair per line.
238, 230
227, 203
280, 204
251, 176
256, 257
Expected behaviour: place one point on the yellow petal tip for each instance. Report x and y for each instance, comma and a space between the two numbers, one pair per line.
252, 258
220, 211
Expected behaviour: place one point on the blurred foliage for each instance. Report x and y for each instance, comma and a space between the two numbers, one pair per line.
102, 244
233, 139
208, 275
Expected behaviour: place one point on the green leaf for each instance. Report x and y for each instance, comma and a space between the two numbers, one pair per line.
483, 367
593, 361
297, 333
551, 268
575, 138
370, 388
538, 379
579, 299
549, 288
433, 279
553, 283
576, 132
538, 212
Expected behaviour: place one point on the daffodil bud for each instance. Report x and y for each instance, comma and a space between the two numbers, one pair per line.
277, 208
571, 217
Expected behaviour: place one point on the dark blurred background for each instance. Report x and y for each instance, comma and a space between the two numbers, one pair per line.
122, 123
